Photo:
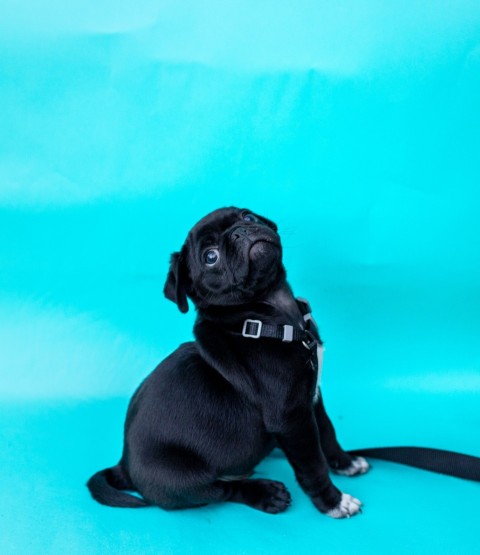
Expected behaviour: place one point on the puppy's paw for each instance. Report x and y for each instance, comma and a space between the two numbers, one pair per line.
269, 496
347, 507
277, 499
358, 466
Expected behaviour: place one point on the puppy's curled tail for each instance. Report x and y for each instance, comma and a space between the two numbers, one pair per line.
105, 487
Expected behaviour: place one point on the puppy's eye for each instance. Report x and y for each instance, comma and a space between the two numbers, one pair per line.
249, 218
211, 257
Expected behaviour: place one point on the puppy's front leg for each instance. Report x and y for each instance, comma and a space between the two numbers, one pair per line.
299, 439
338, 460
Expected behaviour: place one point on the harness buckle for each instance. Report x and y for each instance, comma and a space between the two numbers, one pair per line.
287, 333
252, 328
310, 342
307, 312
308, 317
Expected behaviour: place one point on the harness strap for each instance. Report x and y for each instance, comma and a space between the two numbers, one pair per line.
287, 333
309, 336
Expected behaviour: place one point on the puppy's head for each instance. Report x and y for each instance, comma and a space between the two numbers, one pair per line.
230, 257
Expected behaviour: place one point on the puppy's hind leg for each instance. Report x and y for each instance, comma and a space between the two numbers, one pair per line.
182, 478
268, 496
265, 495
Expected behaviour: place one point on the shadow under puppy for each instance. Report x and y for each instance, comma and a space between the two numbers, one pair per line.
211, 411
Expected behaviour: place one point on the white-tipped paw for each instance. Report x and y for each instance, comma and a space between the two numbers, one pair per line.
348, 506
358, 466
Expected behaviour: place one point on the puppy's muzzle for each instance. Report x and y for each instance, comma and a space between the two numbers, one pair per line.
252, 234
244, 232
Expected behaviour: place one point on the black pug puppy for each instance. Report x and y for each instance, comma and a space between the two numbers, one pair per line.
208, 414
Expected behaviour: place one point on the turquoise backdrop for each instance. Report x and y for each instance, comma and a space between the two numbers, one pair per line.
353, 125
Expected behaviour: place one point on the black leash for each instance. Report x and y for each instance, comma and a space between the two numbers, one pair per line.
435, 460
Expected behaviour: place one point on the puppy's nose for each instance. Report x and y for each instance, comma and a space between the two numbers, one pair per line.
243, 231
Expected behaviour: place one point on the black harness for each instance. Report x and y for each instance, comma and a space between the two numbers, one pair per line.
435, 460
308, 336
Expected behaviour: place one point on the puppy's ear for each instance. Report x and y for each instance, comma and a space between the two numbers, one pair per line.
174, 288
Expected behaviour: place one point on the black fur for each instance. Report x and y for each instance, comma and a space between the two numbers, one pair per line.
106, 485
209, 413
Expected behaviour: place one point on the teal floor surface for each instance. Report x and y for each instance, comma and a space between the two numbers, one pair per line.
48, 451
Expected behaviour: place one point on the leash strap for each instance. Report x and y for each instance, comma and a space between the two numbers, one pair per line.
435, 460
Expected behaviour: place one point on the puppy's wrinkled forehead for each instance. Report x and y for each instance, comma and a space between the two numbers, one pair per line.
217, 222
208, 230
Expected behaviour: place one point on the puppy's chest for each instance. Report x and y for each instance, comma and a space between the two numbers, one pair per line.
297, 372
